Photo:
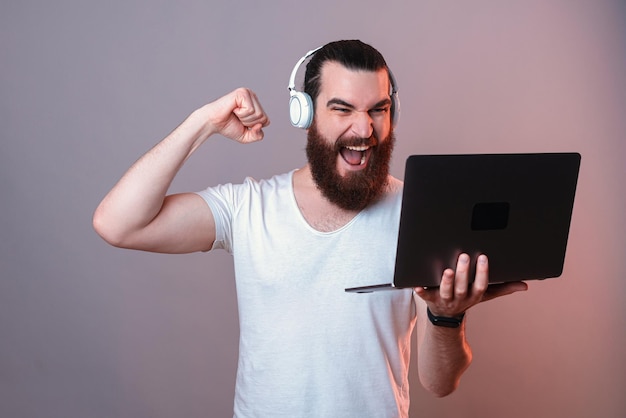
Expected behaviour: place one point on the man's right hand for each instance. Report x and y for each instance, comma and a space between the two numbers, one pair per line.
238, 116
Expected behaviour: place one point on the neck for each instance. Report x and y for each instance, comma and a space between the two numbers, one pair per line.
316, 209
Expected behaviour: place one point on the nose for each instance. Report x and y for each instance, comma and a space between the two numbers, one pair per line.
362, 125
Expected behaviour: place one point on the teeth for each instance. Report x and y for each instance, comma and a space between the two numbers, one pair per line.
363, 159
358, 148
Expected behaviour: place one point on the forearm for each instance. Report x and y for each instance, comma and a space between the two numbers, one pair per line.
443, 357
138, 196
443, 353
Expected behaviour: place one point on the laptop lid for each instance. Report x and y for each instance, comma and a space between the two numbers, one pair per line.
515, 208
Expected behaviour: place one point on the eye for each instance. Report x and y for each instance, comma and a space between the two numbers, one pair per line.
379, 110
341, 109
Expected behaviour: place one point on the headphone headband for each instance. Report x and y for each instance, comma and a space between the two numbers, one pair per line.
292, 79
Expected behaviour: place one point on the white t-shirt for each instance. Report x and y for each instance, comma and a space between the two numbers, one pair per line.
307, 348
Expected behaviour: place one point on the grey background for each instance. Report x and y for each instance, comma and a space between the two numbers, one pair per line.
86, 87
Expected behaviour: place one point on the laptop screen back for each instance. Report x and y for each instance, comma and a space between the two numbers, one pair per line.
515, 208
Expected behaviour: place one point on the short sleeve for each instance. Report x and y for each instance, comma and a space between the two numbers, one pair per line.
221, 202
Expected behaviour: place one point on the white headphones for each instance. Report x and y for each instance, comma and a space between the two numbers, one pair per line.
301, 105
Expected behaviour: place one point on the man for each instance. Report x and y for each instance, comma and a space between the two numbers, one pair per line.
307, 348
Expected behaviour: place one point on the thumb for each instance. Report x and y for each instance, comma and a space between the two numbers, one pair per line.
253, 133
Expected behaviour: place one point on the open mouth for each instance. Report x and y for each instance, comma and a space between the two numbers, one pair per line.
355, 155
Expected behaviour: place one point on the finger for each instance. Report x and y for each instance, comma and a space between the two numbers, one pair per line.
259, 116
503, 289
249, 110
461, 279
446, 287
428, 294
254, 133
481, 280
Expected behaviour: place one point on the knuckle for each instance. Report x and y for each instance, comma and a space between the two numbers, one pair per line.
480, 288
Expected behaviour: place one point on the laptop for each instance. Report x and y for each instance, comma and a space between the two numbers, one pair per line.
515, 208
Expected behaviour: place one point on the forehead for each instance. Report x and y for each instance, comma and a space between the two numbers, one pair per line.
353, 86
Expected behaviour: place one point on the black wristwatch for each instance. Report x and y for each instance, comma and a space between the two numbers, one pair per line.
445, 321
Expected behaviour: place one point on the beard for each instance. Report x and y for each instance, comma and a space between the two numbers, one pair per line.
356, 189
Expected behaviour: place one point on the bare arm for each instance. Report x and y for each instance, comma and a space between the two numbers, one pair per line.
443, 353
137, 214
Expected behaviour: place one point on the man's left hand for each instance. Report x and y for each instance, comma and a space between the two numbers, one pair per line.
456, 294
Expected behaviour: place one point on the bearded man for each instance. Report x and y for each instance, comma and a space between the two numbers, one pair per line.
307, 348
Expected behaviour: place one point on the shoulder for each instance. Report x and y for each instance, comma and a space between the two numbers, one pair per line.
277, 181
394, 186
393, 190
250, 184
250, 193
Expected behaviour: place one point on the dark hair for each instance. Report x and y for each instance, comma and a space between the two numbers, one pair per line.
352, 54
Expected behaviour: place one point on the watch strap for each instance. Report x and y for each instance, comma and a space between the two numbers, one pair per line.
445, 321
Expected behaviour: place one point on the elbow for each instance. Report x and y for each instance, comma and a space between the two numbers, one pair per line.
446, 381
106, 230
441, 390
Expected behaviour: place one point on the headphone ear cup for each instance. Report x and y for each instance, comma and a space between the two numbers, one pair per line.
300, 110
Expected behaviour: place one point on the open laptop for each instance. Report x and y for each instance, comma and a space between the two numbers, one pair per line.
515, 208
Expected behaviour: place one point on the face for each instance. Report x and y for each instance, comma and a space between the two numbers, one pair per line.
351, 141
